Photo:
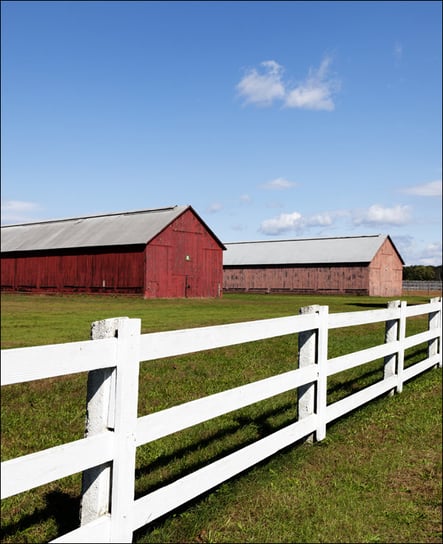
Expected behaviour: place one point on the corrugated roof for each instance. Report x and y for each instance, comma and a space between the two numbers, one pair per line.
125, 228
355, 249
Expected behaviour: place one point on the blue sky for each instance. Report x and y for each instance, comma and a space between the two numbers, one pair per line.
273, 120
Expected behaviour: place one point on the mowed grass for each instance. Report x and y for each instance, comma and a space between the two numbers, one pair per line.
375, 478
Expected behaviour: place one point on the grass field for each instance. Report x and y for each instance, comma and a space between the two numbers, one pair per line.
375, 478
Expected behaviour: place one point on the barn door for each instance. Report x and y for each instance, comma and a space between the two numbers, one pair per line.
189, 288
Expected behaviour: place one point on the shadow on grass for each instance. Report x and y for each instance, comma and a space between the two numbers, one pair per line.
262, 429
349, 386
265, 429
61, 507
64, 508
382, 305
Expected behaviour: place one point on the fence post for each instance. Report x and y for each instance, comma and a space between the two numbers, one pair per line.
307, 348
401, 350
125, 423
96, 481
308, 355
322, 380
391, 335
434, 322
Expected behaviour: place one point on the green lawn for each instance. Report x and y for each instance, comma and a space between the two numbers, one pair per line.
375, 478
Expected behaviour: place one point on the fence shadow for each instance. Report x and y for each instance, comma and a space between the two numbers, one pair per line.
372, 305
264, 429
261, 424
60, 506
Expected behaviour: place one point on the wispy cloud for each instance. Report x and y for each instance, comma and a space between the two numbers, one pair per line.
378, 215
16, 211
415, 253
326, 222
398, 51
296, 222
315, 92
283, 223
245, 199
432, 188
373, 216
214, 207
278, 184
262, 88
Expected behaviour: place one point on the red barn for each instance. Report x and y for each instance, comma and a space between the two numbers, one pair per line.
167, 252
366, 265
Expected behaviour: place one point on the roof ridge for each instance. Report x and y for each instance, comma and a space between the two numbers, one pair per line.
307, 239
134, 212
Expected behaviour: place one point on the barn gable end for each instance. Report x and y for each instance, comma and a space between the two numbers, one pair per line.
184, 260
386, 271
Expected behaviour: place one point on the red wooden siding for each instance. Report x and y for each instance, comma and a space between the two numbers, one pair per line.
97, 270
184, 261
333, 279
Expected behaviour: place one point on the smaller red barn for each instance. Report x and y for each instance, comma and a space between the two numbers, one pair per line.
167, 252
367, 265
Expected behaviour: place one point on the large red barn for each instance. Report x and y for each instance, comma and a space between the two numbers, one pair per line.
167, 252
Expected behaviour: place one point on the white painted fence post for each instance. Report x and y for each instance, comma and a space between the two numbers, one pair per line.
401, 351
96, 481
391, 335
435, 323
313, 349
307, 355
125, 422
322, 380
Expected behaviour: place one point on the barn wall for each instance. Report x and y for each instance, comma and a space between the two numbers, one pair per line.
335, 279
184, 261
86, 270
386, 272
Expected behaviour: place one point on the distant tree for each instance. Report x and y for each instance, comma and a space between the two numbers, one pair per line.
422, 273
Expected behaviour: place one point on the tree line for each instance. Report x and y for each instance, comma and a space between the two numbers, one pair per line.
422, 272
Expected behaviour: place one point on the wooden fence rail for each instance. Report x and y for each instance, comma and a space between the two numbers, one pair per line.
106, 456
422, 285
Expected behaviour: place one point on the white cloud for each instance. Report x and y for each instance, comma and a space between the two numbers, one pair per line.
16, 211
313, 93
431, 254
378, 215
262, 89
432, 188
416, 252
214, 207
245, 199
320, 220
296, 222
283, 223
279, 184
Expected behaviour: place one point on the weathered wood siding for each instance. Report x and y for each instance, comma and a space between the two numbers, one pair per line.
381, 277
83, 270
298, 279
184, 261
386, 272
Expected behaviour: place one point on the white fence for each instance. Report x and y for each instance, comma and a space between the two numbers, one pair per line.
109, 511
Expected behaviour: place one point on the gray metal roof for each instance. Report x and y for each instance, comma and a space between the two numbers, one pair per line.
125, 228
355, 249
